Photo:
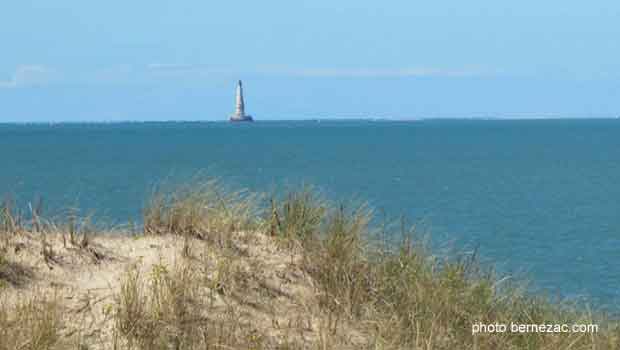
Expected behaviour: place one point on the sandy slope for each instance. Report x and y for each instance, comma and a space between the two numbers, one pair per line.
267, 286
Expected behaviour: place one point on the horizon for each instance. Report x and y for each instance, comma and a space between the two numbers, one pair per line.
317, 119
144, 61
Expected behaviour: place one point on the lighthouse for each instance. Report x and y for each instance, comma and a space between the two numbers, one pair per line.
239, 115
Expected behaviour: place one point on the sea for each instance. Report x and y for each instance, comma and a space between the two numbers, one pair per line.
537, 199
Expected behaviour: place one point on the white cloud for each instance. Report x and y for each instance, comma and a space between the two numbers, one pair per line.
372, 72
170, 66
28, 75
204, 69
194, 70
36, 75
189, 72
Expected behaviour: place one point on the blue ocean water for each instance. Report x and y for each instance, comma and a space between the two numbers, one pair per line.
541, 198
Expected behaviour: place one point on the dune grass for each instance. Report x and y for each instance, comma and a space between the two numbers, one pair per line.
173, 308
162, 312
203, 210
403, 295
410, 299
34, 323
392, 296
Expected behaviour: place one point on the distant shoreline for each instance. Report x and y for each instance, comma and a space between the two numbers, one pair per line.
368, 119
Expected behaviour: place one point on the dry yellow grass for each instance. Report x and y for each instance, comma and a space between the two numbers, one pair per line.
214, 271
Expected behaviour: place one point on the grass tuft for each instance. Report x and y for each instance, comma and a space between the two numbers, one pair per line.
33, 324
204, 210
172, 308
298, 215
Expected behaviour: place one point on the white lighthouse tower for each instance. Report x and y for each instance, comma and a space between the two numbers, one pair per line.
240, 115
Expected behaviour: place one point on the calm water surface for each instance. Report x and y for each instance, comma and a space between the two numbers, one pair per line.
536, 197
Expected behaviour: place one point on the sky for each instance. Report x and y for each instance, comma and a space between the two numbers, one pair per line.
68, 60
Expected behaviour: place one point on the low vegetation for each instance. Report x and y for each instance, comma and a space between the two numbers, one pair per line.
204, 210
32, 323
215, 269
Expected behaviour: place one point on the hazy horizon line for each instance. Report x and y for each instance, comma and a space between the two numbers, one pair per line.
312, 119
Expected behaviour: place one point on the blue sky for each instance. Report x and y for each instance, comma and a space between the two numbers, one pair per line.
179, 60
